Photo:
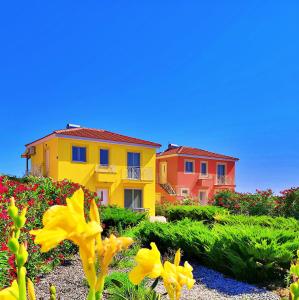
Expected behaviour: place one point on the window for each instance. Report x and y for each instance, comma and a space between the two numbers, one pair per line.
204, 168
133, 161
133, 198
79, 154
185, 192
103, 196
189, 166
203, 197
104, 157
221, 172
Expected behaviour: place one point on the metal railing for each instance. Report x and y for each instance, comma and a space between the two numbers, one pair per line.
223, 180
137, 173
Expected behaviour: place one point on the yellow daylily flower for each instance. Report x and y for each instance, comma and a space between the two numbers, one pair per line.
176, 276
109, 247
10, 293
106, 250
148, 264
68, 223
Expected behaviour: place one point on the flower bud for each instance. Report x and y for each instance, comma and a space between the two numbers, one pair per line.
12, 209
13, 245
20, 221
22, 256
52, 292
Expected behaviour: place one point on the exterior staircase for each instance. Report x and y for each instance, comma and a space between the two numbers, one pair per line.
168, 188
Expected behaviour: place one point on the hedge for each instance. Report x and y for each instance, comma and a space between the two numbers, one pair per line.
116, 219
198, 213
251, 253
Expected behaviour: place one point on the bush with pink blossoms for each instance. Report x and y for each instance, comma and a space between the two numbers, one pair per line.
38, 194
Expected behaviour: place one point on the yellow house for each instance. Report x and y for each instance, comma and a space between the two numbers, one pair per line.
120, 169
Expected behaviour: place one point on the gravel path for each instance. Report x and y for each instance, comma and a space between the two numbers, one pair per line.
210, 285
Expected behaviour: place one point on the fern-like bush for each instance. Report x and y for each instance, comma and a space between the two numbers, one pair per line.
197, 213
116, 219
265, 221
252, 253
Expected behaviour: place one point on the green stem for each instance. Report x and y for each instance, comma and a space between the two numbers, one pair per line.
91, 294
22, 283
100, 285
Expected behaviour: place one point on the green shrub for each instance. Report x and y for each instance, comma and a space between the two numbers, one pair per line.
197, 213
192, 237
252, 253
116, 219
265, 221
119, 287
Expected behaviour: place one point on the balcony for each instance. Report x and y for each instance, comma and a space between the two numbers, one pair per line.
105, 173
206, 180
223, 180
105, 169
138, 174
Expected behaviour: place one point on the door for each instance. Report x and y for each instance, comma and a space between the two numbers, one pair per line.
203, 197
163, 172
133, 198
220, 174
103, 196
133, 163
47, 161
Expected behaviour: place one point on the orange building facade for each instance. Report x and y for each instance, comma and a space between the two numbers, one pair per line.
185, 172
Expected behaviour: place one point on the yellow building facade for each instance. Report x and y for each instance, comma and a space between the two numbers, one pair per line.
120, 169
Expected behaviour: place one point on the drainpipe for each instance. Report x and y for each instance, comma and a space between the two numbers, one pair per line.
27, 166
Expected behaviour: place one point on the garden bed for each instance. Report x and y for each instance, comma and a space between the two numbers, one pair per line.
210, 284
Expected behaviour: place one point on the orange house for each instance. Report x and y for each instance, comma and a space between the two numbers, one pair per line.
185, 172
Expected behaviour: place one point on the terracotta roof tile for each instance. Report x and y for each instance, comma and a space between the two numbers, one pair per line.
194, 151
100, 134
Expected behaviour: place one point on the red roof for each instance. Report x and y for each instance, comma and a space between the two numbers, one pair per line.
99, 134
183, 150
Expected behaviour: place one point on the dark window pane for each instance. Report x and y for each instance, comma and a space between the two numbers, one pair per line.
82, 154
104, 157
221, 170
133, 198
133, 159
189, 166
128, 198
79, 154
203, 168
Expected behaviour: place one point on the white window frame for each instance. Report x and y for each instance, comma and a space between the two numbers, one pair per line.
185, 189
201, 174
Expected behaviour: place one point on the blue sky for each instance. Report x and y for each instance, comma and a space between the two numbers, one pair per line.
218, 75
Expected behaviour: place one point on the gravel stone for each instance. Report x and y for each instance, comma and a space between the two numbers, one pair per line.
210, 285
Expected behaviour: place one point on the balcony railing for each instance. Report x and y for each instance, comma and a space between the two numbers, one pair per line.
105, 169
137, 173
223, 180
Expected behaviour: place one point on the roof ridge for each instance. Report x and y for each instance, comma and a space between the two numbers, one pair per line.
78, 128
206, 151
